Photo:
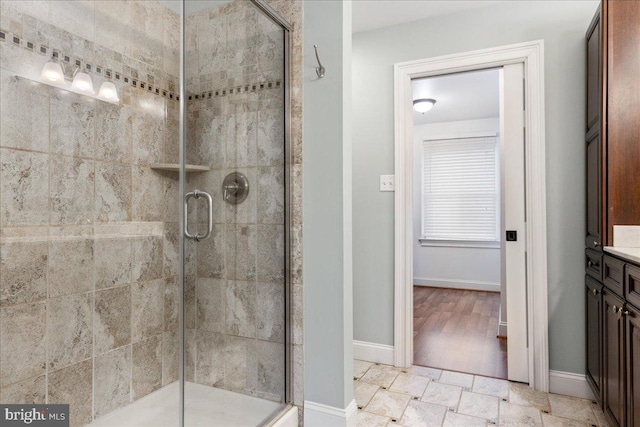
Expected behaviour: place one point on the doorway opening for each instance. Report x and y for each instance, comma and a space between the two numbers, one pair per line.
523, 254
459, 299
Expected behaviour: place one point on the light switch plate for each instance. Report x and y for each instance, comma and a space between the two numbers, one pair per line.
387, 183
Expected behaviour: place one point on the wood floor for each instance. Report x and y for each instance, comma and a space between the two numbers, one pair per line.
456, 330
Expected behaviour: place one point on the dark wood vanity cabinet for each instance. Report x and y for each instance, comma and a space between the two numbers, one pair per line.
594, 134
612, 156
594, 335
633, 366
613, 328
594, 193
593, 238
632, 284
613, 274
593, 264
613, 340
622, 114
594, 72
612, 120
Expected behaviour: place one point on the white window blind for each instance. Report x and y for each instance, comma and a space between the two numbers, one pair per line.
461, 189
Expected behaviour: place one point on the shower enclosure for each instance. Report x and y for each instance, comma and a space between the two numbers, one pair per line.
145, 210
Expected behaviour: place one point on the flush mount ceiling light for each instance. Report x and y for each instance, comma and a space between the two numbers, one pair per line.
423, 105
52, 72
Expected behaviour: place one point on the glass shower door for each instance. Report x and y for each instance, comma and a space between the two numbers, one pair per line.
235, 251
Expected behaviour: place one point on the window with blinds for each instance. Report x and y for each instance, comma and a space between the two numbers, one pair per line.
461, 189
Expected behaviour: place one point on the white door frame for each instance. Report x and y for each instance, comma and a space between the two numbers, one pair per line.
531, 54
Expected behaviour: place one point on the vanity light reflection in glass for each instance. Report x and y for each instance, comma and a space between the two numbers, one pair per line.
82, 83
108, 92
53, 75
52, 72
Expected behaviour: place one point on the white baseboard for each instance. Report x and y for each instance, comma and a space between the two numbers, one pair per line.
371, 352
502, 326
352, 414
502, 329
288, 419
569, 384
319, 415
457, 284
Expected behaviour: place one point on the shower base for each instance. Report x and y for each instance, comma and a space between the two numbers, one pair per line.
204, 407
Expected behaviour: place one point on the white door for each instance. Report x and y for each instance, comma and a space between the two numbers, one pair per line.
513, 218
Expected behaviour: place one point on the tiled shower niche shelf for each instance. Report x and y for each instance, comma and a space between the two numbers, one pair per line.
68, 89
175, 167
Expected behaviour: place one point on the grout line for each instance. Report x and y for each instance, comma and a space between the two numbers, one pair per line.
93, 249
71, 156
132, 284
49, 246
194, 334
93, 359
46, 328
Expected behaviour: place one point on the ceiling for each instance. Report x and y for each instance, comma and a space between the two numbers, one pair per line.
464, 96
372, 14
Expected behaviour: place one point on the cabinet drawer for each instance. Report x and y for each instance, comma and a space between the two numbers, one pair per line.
632, 284
613, 274
593, 264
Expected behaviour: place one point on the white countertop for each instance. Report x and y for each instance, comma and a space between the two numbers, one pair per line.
631, 254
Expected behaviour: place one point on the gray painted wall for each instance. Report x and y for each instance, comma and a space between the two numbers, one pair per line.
562, 25
328, 300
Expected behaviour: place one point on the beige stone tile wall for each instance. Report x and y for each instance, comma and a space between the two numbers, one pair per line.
88, 231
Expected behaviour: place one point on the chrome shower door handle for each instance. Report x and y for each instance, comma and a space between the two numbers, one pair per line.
196, 194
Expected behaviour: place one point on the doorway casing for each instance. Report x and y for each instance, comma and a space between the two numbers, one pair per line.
531, 54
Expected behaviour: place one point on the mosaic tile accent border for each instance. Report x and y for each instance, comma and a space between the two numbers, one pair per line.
253, 87
69, 60
131, 78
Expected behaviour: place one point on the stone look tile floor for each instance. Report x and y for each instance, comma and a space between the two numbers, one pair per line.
424, 397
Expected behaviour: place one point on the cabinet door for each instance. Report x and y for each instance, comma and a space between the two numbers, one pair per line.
594, 194
633, 367
623, 109
594, 336
593, 73
614, 358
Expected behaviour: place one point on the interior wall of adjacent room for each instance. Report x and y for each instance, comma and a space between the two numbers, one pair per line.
561, 25
442, 265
